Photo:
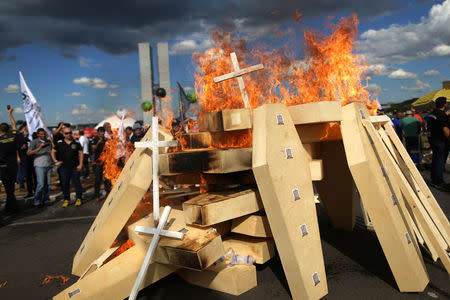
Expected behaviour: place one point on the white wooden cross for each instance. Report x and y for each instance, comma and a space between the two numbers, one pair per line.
237, 73
155, 144
151, 250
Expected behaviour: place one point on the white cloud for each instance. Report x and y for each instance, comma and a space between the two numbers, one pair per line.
414, 41
95, 83
373, 87
12, 89
402, 74
441, 50
419, 86
189, 46
81, 109
113, 86
84, 62
378, 69
75, 94
431, 73
18, 110
111, 94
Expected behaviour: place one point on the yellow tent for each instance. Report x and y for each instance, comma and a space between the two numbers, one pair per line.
429, 99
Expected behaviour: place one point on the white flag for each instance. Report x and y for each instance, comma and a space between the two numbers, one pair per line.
31, 109
121, 136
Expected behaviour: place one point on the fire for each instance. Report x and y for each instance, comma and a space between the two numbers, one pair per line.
330, 70
49, 278
203, 185
124, 247
112, 165
3, 284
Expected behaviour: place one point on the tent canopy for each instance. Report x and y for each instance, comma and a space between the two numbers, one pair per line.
115, 122
429, 98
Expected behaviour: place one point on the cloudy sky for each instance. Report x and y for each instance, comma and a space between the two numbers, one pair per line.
80, 59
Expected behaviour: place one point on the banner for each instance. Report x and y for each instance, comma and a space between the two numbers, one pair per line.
31, 109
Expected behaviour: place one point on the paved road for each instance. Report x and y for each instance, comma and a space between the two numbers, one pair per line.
356, 268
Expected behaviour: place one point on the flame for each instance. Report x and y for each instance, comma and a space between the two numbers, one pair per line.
112, 165
49, 278
123, 247
3, 284
232, 139
330, 71
203, 185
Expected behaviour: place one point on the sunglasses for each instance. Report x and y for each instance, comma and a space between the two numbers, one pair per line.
70, 132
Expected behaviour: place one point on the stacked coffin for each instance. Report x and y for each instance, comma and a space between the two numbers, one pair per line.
261, 197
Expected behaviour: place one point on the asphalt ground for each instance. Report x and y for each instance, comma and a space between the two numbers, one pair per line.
42, 241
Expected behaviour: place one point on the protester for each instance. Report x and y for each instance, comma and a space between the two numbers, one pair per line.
411, 130
108, 130
439, 141
25, 172
98, 144
128, 133
84, 142
138, 133
68, 156
8, 161
396, 121
41, 149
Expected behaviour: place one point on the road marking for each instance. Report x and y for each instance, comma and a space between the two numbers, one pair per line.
52, 220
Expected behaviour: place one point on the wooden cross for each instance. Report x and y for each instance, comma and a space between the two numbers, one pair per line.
237, 73
155, 144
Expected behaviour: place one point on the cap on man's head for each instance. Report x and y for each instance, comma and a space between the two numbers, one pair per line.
408, 112
136, 126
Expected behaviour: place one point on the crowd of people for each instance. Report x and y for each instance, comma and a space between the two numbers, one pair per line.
31, 160
434, 125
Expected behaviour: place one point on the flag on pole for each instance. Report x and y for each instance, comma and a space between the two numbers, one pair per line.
122, 140
184, 104
31, 109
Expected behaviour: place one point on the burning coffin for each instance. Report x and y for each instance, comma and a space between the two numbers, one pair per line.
256, 194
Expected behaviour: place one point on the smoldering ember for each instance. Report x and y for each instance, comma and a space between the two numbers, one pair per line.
272, 162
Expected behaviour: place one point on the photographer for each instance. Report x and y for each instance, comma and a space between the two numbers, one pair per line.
41, 149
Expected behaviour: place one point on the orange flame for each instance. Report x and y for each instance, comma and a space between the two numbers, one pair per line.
330, 71
3, 284
203, 185
112, 166
49, 278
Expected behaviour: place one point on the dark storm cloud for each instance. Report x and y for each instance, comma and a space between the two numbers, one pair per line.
116, 26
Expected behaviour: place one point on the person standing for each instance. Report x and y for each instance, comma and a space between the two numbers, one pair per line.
396, 121
439, 141
138, 133
411, 129
68, 156
98, 144
84, 142
23, 169
41, 149
9, 157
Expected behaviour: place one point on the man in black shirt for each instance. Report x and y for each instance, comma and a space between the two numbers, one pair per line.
98, 143
8, 161
439, 141
68, 156
138, 133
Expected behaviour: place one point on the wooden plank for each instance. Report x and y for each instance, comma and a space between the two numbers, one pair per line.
252, 225
421, 188
212, 208
316, 112
216, 140
199, 249
379, 119
393, 179
240, 72
115, 279
234, 280
336, 188
117, 208
281, 169
395, 239
205, 161
261, 249
320, 132
226, 120
243, 177
312, 150
316, 168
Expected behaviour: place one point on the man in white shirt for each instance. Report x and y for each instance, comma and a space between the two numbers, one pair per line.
84, 142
